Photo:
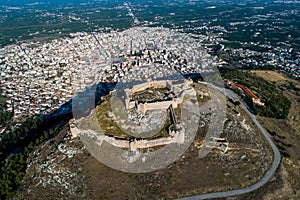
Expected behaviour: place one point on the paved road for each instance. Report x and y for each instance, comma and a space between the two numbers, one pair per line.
269, 174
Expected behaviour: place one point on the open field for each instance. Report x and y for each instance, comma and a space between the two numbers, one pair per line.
270, 75
274, 76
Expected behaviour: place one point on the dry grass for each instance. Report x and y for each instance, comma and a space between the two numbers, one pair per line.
108, 126
268, 75
273, 76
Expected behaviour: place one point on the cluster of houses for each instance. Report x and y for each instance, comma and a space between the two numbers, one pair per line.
39, 77
283, 59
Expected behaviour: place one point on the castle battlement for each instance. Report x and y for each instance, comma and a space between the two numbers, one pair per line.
179, 88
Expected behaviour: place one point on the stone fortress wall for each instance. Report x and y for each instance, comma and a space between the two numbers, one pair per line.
176, 137
179, 87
